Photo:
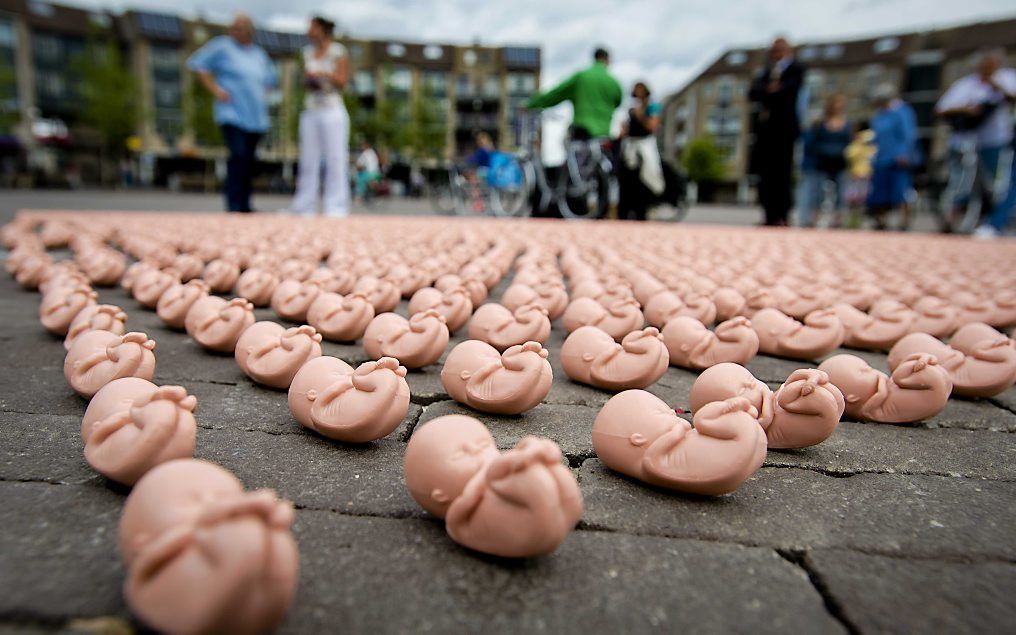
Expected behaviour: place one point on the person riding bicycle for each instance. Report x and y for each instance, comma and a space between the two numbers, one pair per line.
594, 94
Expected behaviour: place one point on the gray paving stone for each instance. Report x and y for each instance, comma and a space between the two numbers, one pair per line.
976, 414
570, 426
793, 508
1006, 400
884, 595
58, 552
42, 448
39, 390
596, 582
873, 447
315, 472
775, 369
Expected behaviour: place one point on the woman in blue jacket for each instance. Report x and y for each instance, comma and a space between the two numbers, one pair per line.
895, 128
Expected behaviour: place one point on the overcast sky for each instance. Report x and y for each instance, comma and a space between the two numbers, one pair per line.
662, 41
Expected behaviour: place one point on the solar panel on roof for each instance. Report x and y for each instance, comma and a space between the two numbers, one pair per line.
159, 26
522, 56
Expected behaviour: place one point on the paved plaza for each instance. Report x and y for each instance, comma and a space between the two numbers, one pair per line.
880, 528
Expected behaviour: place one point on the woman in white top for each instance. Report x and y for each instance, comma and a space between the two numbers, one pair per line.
324, 124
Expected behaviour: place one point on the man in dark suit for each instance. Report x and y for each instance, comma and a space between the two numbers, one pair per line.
775, 125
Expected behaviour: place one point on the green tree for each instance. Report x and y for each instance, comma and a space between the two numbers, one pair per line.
108, 94
200, 118
703, 160
425, 135
9, 115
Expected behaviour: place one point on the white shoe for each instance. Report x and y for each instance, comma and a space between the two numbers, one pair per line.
985, 232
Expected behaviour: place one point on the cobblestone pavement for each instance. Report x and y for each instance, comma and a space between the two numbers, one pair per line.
880, 528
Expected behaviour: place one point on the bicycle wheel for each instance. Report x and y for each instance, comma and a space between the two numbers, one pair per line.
590, 199
511, 197
442, 198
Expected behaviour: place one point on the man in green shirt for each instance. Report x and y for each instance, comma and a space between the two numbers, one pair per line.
594, 94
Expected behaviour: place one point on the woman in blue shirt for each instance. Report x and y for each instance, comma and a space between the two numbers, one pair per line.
895, 128
239, 74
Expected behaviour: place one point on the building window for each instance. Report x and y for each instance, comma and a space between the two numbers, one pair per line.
363, 83
808, 53
51, 85
395, 49
469, 58
435, 83
400, 80
167, 95
832, 51
521, 83
7, 35
492, 87
47, 48
433, 52
165, 60
463, 86
736, 58
886, 45
356, 51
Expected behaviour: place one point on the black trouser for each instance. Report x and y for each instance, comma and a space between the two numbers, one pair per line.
242, 145
635, 197
775, 167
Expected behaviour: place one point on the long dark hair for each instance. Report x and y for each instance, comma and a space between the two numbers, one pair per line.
328, 26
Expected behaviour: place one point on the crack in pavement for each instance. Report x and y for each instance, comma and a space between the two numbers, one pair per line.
799, 559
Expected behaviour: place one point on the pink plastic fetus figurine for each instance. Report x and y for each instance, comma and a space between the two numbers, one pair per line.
176, 301
188, 266
502, 328
876, 332
617, 320
103, 266
729, 303
216, 324
96, 317
803, 412
151, 284
355, 406
665, 306
131, 425
474, 286
416, 342
918, 388
292, 299
550, 296
513, 504
477, 375
271, 354
60, 306
341, 318
639, 435
1005, 309
221, 275
692, 345
590, 356
935, 316
257, 285
980, 361
203, 556
454, 304
382, 293
99, 357
783, 336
